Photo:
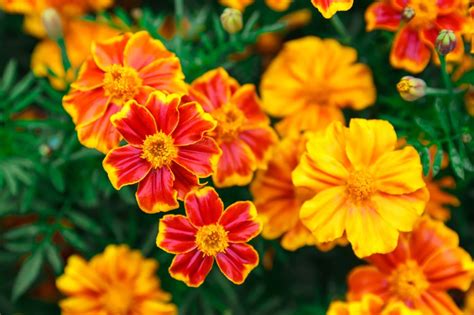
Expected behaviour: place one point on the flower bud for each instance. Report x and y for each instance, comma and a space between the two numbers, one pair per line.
231, 20
411, 88
52, 23
445, 42
408, 13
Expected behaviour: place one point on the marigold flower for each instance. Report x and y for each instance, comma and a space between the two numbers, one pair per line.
207, 232
416, 37
370, 304
236, 4
469, 302
364, 187
166, 153
279, 202
309, 92
437, 206
278, 5
425, 265
243, 131
46, 58
330, 7
67, 9
123, 68
117, 281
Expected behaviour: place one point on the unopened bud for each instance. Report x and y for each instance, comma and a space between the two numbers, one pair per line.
52, 23
137, 13
411, 88
231, 20
445, 42
408, 13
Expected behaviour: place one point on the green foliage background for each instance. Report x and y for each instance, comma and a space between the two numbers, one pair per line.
45, 174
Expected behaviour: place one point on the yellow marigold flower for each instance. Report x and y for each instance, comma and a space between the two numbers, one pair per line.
365, 188
80, 36
32, 9
117, 281
278, 5
236, 4
469, 302
330, 7
311, 80
279, 202
370, 304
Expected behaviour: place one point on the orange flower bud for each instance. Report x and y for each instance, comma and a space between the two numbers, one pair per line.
52, 23
231, 20
411, 88
445, 42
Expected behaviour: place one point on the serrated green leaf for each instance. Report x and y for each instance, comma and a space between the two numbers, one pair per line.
426, 126
71, 237
57, 179
442, 115
438, 159
84, 222
9, 75
425, 160
22, 86
54, 258
455, 160
27, 230
28, 273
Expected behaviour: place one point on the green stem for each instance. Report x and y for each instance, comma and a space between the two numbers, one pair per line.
340, 29
440, 92
179, 9
64, 56
445, 74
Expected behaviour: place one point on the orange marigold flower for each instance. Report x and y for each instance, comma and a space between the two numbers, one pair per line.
330, 7
469, 302
437, 206
243, 131
417, 33
166, 153
207, 232
32, 9
309, 92
278, 5
117, 281
364, 187
236, 4
370, 304
425, 265
279, 202
122, 68
46, 58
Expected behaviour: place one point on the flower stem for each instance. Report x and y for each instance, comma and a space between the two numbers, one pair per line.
446, 78
340, 29
64, 56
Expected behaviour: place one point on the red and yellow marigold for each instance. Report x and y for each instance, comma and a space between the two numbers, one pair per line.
122, 68
308, 92
243, 131
209, 233
117, 281
167, 151
364, 188
425, 265
330, 7
370, 304
417, 24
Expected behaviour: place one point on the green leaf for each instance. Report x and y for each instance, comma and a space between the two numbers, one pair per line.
426, 126
456, 162
28, 273
21, 86
442, 115
8, 75
438, 159
74, 239
57, 178
425, 160
84, 222
54, 258
28, 231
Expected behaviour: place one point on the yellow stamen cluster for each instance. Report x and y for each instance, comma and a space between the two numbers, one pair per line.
121, 83
230, 120
408, 281
360, 185
212, 239
159, 150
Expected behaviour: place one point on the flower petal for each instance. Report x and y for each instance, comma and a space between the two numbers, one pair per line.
325, 214
240, 221
193, 124
156, 192
377, 137
367, 279
454, 22
398, 172
176, 235
203, 207
330, 7
164, 75
184, 180
90, 77
85, 106
237, 261
235, 166
381, 15
401, 211
199, 158
164, 109
409, 52
109, 52
142, 50
439, 302
368, 232
260, 142
135, 123
192, 267
124, 166
100, 134
246, 99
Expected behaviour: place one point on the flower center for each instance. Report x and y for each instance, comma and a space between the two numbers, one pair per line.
360, 185
121, 83
408, 281
229, 122
211, 239
159, 150
425, 12
117, 300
